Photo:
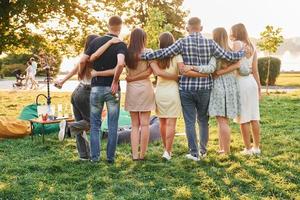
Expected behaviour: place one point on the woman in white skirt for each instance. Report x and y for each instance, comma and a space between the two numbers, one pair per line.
250, 91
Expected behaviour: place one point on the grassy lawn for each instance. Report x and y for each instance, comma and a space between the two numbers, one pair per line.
31, 170
288, 79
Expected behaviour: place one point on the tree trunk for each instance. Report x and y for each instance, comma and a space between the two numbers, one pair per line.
268, 74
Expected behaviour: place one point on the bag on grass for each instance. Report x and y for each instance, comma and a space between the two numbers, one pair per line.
13, 128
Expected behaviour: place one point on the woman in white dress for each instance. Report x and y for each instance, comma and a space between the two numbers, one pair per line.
250, 91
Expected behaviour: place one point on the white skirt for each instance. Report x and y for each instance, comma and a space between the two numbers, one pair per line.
249, 99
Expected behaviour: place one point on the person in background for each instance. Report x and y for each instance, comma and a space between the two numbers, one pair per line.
80, 99
194, 92
250, 91
34, 70
224, 101
102, 91
29, 76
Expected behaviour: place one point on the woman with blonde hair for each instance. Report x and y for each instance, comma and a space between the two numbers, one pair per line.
250, 90
224, 100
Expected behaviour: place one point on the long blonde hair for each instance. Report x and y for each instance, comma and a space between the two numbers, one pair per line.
220, 36
239, 32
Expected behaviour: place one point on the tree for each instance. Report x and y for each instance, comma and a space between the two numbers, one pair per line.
61, 22
136, 12
269, 42
156, 24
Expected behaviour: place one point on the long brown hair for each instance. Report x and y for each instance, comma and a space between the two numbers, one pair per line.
220, 36
137, 43
166, 39
239, 32
86, 70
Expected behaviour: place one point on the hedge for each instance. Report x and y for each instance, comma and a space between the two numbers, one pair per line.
263, 70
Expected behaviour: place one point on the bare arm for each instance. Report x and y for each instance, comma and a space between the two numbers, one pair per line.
118, 70
255, 73
194, 74
103, 48
228, 69
207, 69
109, 72
159, 72
141, 76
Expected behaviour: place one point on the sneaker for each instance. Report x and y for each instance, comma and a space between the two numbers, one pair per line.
247, 152
191, 157
62, 130
84, 135
256, 151
166, 155
84, 159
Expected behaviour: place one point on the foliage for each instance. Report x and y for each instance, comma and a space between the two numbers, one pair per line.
61, 22
270, 40
156, 24
32, 170
263, 70
136, 13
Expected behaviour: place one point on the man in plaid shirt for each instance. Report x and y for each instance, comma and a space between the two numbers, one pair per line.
195, 92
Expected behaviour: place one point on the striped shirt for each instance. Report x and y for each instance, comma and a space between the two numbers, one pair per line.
195, 50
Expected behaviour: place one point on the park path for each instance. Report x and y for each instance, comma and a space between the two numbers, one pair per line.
69, 86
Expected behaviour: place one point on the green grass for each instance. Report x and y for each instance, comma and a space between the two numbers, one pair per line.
32, 170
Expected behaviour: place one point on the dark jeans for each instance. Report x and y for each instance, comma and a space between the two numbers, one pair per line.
195, 104
81, 107
99, 96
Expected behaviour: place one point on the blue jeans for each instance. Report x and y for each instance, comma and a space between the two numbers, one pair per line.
99, 95
195, 103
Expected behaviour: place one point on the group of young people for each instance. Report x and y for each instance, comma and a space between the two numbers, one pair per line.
198, 77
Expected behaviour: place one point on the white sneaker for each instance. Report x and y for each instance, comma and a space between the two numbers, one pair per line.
191, 157
256, 151
62, 130
84, 135
166, 155
247, 152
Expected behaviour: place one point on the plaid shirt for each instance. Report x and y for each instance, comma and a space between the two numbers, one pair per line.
195, 50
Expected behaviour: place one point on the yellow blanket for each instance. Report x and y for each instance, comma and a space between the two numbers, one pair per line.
13, 128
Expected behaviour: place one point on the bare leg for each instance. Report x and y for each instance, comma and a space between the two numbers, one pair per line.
145, 132
221, 147
163, 129
245, 129
256, 133
135, 134
224, 134
171, 125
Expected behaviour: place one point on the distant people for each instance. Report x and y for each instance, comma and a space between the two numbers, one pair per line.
29, 76
81, 101
224, 101
140, 99
250, 91
195, 92
34, 69
102, 90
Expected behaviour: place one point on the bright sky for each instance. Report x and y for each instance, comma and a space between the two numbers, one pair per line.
255, 14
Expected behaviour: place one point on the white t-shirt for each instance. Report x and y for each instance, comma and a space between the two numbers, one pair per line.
34, 67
